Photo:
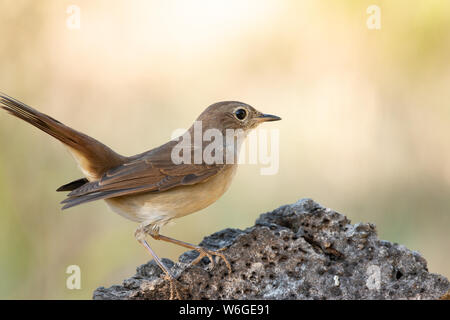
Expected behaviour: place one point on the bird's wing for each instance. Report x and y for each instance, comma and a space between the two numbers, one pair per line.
152, 172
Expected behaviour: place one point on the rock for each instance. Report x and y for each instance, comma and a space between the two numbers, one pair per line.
298, 251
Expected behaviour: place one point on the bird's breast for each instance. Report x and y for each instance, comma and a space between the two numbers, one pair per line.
159, 208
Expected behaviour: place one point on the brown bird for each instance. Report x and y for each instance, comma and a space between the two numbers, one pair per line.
151, 188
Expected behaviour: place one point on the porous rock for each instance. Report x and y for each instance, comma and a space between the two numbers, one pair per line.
298, 251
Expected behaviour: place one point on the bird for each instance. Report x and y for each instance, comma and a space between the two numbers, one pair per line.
155, 187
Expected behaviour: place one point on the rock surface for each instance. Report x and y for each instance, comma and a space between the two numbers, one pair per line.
298, 251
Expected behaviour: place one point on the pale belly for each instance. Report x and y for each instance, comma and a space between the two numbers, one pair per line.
159, 208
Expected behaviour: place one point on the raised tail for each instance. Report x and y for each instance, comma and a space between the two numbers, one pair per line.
93, 157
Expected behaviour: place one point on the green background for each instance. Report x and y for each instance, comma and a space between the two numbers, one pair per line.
365, 130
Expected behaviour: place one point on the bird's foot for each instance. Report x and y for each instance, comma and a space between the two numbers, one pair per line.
210, 253
174, 292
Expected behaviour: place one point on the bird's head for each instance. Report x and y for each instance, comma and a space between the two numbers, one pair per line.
233, 115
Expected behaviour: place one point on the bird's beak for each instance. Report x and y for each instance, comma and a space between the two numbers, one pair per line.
263, 117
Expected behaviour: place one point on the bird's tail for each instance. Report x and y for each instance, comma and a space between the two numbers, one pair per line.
93, 157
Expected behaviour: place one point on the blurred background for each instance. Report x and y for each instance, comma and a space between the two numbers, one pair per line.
365, 130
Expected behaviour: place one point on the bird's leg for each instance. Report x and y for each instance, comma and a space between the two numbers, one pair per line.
140, 237
202, 251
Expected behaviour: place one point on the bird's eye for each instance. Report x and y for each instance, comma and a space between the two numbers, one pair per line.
240, 114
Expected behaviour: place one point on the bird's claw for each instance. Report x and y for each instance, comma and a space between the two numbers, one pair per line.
210, 253
174, 292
